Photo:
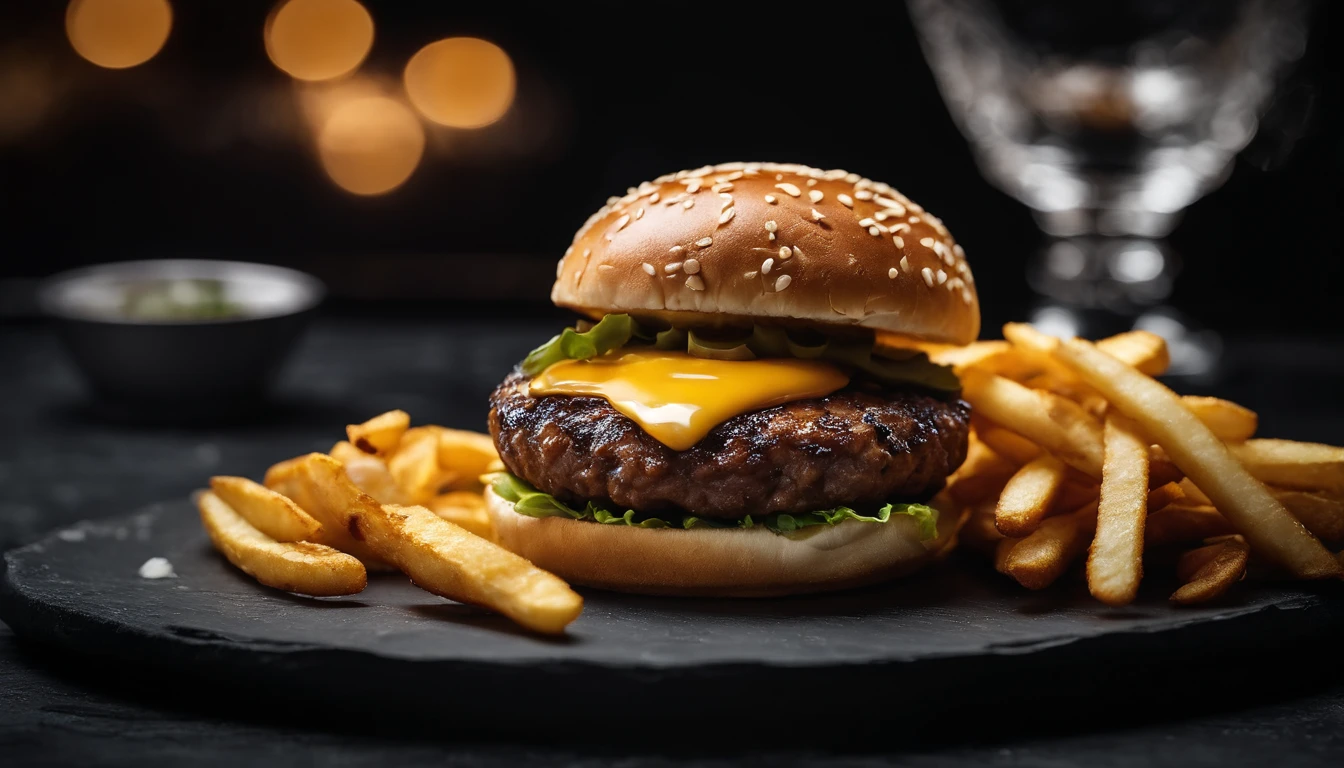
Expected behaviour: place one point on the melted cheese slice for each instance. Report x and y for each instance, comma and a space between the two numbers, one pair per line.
678, 398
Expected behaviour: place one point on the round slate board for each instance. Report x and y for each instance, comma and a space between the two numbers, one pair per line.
956, 631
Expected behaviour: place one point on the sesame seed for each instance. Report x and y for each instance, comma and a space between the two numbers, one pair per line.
845, 200
723, 187
817, 215
770, 199
693, 186
648, 268
727, 200
928, 276
771, 226
727, 216
559, 267
620, 223
790, 189
874, 231
639, 214
688, 204
887, 202
959, 251
942, 277
797, 251
695, 283
851, 178
785, 253
811, 182
604, 267
674, 250
672, 268
866, 222
893, 273
654, 197
927, 242
816, 195
901, 227
881, 215
899, 241
751, 274
772, 237
905, 264
692, 266
782, 282
779, 177
913, 219
766, 266
704, 242
863, 194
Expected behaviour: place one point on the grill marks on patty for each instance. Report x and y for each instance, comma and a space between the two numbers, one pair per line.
852, 448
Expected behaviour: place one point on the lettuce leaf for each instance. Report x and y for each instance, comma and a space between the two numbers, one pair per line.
534, 503
612, 332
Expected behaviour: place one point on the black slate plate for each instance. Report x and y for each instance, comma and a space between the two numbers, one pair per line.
956, 633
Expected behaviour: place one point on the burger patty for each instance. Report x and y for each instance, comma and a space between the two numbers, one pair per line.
851, 448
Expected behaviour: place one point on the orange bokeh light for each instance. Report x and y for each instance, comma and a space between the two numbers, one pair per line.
318, 39
118, 33
462, 82
370, 145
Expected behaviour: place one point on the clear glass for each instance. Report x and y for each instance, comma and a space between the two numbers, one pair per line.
1108, 116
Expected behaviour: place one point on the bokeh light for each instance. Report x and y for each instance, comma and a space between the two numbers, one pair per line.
370, 145
118, 33
462, 82
318, 39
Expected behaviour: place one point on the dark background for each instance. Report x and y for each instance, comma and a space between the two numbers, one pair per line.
202, 152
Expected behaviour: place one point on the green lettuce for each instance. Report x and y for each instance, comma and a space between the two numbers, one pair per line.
612, 332
616, 331
529, 501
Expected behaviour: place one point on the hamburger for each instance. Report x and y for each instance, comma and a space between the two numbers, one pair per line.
747, 407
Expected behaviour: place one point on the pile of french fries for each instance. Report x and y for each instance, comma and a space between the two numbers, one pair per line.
391, 497
1076, 451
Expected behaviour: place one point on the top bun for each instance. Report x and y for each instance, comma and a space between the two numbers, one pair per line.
730, 244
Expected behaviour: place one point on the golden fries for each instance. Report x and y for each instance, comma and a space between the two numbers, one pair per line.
1230, 422
980, 477
380, 434
1040, 558
1164, 495
300, 567
286, 478
466, 509
1178, 523
1243, 500
269, 512
1009, 445
468, 454
1304, 466
1322, 515
1115, 562
370, 473
1210, 570
441, 557
415, 465
1027, 497
1139, 349
1058, 425
975, 354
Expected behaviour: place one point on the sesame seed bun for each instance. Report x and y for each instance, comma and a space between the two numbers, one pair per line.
752, 562
739, 242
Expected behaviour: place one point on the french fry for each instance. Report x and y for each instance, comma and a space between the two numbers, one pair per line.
415, 465
1073, 495
269, 512
1303, 466
1010, 445
466, 454
1043, 556
301, 567
1322, 515
1243, 500
1003, 550
1165, 495
1058, 425
1177, 523
1115, 561
1211, 570
1193, 494
370, 473
976, 354
286, 478
1230, 422
980, 477
979, 532
1143, 350
380, 434
441, 557
1027, 496
463, 508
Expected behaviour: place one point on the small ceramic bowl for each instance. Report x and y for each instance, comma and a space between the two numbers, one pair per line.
180, 335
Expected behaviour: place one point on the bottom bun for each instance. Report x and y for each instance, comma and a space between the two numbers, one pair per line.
726, 562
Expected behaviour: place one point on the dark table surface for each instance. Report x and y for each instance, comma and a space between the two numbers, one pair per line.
65, 461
